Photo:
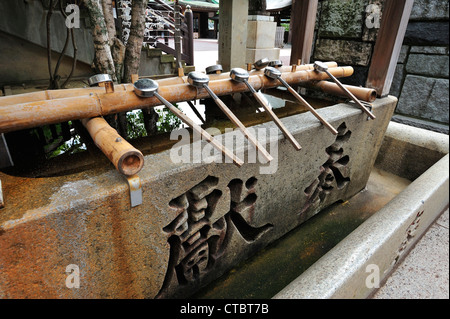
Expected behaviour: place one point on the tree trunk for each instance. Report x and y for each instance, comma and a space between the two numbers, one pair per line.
114, 58
116, 46
134, 44
103, 56
133, 57
150, 120
118, 55
107, 8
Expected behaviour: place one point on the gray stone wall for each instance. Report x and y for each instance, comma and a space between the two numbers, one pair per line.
342, 35
421, 81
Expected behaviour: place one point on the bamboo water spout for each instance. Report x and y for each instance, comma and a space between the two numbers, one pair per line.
363, 94
127, 159
322, 67
126, 87
37, 113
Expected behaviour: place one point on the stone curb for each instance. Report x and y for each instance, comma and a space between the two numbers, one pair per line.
378, 245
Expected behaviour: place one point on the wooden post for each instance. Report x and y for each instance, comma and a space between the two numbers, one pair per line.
177, 39
166, 34
189, 37
389, 43
303, 20
134, 77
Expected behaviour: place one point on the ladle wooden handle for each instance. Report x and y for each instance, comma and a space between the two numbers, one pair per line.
243, 129
311, 109
277, 121
236, 160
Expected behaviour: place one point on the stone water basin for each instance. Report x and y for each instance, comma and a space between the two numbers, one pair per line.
199, 220
327, 256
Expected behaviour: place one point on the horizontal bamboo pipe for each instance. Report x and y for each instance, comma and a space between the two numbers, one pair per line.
33, 114
289, 68
127, 159
125, 87
58, 94
226, 75
364, 94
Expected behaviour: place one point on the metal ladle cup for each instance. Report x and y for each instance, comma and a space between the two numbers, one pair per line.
275, 63
102, 78
214, 69
261, 63
149, 88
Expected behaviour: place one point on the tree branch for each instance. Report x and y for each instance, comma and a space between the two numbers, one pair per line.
134, 44
74, 61
109, 19
104, 61
49, 49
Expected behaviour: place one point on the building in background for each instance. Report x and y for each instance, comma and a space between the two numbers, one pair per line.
206, 18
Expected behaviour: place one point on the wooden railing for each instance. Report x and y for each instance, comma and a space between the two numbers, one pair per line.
160, 31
